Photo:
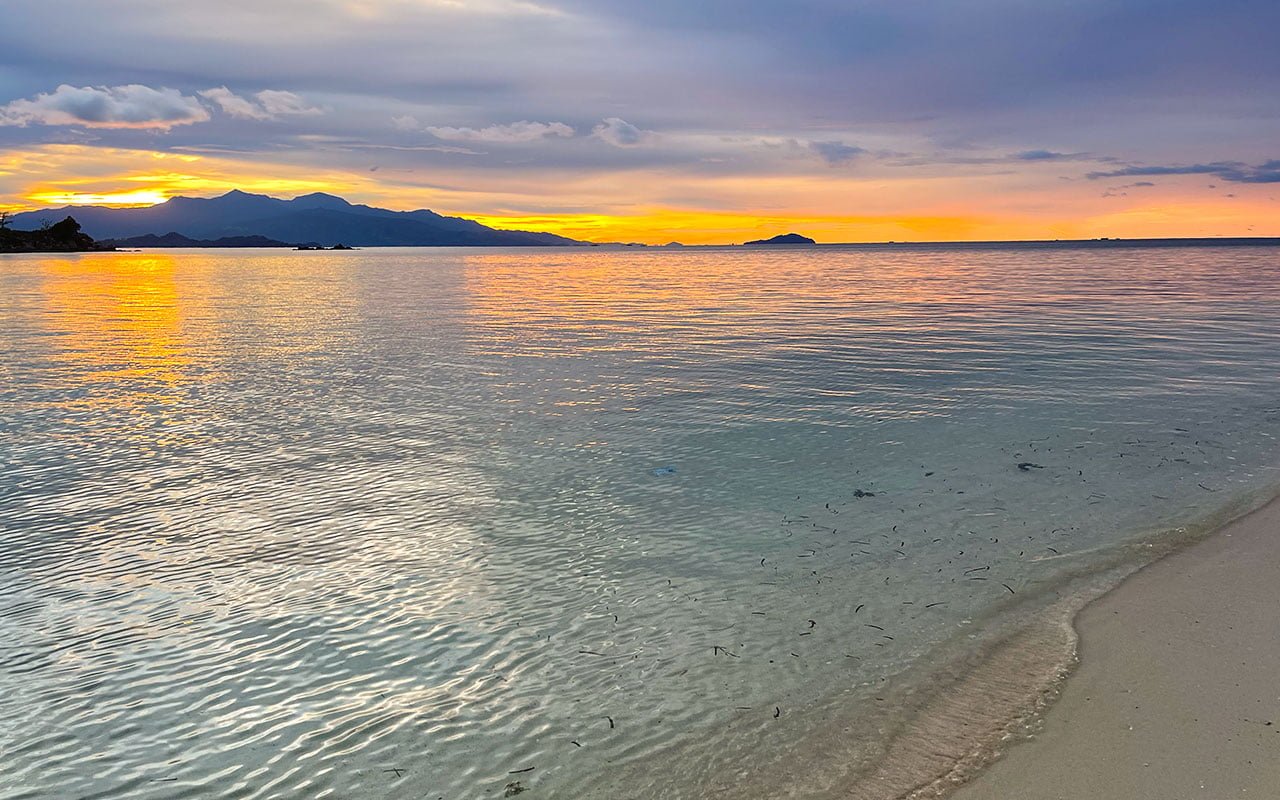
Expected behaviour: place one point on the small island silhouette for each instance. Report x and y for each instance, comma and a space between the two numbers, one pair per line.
786, 238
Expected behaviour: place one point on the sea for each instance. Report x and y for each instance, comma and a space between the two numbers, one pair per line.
577, 523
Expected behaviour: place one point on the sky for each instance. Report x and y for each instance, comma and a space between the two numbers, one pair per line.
660, 120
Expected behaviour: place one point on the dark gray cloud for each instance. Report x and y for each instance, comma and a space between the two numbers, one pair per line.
1234, 171
1192, 169
1039, 155
835, 153
884, 60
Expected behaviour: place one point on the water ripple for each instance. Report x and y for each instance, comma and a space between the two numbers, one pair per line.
400, 523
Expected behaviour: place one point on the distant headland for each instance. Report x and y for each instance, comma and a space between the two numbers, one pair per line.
175, 239
59, 237
785, 238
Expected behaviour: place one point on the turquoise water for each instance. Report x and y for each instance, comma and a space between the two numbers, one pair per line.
414, 523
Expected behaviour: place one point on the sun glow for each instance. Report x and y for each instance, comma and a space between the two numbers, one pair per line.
655, 208
690, 226
66, 174
136, 197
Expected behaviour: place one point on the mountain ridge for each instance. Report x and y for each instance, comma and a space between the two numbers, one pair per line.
317, 217
175, 239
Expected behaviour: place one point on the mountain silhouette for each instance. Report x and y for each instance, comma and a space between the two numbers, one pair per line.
321, 218
174, 239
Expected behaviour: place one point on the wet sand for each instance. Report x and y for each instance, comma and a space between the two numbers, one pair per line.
1177, 694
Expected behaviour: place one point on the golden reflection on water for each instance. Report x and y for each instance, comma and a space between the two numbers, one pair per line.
117, 321
134, 327
601, 283
587, 281
133, 344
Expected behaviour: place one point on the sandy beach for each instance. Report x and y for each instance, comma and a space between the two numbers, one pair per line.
1176, 694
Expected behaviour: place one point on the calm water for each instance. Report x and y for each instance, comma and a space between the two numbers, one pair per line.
415, 523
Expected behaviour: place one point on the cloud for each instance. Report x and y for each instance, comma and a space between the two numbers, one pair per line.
233, 104
1194, 169
270, 104
278, 103
522, 131
836, 153
1233, 171
1267, 172
130, 106
615, 131
1039, 155
422, 148
620, 133
1119, 191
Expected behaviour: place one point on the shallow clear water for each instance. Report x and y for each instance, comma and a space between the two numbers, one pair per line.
400, 523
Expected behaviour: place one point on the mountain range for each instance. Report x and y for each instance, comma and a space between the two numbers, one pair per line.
314, 218
173, 239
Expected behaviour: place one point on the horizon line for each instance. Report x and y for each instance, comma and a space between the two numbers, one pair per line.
493, 222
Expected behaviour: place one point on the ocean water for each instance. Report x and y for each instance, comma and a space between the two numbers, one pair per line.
573, 523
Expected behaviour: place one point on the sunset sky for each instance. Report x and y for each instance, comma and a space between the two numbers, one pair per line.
706, 122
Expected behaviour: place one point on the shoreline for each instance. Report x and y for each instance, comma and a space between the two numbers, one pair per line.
965, 721
936, 728
1172, 693
948, 723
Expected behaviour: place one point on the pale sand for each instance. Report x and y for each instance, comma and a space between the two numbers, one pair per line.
1177, 694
